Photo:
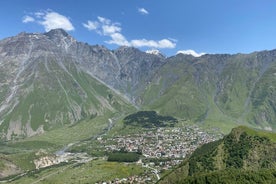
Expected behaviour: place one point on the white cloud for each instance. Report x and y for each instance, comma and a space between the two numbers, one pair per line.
50, 20
39, 14
106, 27
118, 39
165, 43
143, 11
104, 20
190, 52
161, 44
54, 20
27, 19
91, 25
110, 29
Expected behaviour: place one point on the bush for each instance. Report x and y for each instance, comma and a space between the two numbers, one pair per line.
123, 157
203, 156
238, 150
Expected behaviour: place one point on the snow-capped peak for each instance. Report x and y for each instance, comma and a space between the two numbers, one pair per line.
155, 52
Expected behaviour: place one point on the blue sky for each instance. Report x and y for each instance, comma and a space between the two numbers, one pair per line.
214, 26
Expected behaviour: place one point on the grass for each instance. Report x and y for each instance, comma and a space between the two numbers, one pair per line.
215, 117
32, 145
184, 100
91, 172
174, 92
60, 97
71, 134
177, 101
260, 133
187, 90
2, 165
56, 139
23, 160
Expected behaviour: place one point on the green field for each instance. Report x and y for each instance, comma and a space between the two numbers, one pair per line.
91, 172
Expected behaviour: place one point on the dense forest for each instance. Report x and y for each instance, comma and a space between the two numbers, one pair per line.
123, 156
234, 176
149, 119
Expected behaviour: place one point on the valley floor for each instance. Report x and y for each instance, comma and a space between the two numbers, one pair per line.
161, 150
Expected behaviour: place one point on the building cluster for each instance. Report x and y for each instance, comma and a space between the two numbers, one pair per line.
162, 148
173, 143
128, 180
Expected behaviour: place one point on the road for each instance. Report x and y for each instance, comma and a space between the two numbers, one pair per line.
155, 171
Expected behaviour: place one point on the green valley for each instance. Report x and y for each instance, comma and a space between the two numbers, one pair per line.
75, 113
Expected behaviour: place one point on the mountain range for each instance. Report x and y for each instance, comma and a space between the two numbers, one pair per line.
50, 80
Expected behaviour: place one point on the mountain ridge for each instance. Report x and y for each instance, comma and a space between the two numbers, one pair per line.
220, 90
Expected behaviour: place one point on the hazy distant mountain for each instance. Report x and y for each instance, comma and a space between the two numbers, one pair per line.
51, 79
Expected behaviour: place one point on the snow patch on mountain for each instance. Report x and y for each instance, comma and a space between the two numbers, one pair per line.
154, 52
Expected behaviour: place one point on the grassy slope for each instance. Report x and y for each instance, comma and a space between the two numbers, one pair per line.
53, 95
263, 99
175, 91
252, 132
91, 172
216, 90
172, 92
58, 95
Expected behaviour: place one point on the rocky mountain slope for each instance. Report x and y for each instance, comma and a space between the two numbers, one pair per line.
50, 79
47, 80
245, 155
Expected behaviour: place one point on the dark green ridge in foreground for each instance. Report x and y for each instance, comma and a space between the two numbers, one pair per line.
232, 176
244, 156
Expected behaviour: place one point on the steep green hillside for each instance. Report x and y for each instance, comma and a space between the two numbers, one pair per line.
49, 80
174, 91
218, 90
55, 94
232, 176
244, 149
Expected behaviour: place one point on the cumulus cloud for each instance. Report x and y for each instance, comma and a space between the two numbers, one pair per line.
143, 11
106, 27
54, 20
190, 52
27, 19
50, 20
164, 43
110, 29
118, 39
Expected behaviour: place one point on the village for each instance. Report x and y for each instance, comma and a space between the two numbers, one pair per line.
161, 148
